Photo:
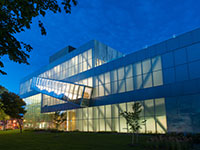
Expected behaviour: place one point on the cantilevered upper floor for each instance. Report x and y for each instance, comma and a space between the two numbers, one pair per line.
162, 70
69, 62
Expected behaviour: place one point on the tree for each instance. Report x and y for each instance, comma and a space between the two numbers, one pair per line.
133, 119
59, 118
3, 116
2, 89
15, 17
13, 106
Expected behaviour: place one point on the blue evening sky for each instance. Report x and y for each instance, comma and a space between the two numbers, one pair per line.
126, 25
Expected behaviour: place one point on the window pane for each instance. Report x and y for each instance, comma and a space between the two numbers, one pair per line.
194, 70
181, 73
169, 75
108, 111
101, 79
180, 56
80, 58
129, 84
121, 86
90, 112
84, 66
101, 91
157, 78
147, 80
114, 87
90, 81
95, 112
137, 69
161, 124
114, 75
150, 125
149, 107
137, 82
160, 107
89, 53
128, 71
107, 77
87, 93
89, 63
168, 60
102, 124
121, 73
101, 112
156, 63
107, 89
146, 66
193, 52
85, 56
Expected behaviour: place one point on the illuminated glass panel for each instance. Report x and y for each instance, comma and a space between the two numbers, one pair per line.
61, 90
121, 73
129, 84
128, 71
137, 69
121, 86
87, 93
107, 89
101, 91
114, 75
157, 78
107, 77
156, 63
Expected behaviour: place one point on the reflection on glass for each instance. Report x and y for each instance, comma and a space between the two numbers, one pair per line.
87, 93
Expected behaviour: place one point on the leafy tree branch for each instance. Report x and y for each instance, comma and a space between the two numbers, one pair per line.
15, 17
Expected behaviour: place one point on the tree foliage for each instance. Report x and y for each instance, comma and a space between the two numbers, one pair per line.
133, 119
15, 17
59, 118
13, 106
3, 116
2, 89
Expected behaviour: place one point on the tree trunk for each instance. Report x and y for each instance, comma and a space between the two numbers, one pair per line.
4, 124
137, 137
57, 126
20, 125
132, 138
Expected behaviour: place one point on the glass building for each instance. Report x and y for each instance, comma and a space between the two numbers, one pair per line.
94, 83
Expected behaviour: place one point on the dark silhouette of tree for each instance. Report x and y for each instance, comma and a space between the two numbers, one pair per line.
13, 106
15, 17
59, 118
3, 116
133, 119
2, 89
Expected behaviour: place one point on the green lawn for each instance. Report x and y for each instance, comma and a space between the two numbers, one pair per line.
12, 140
30, 140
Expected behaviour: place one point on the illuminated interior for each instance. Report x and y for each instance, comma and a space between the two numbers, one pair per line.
61, 90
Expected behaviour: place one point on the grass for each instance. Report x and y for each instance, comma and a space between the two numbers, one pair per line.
29, 140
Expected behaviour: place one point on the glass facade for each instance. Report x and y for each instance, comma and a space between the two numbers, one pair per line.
164, 77
61, 90
181, 64
75, 65
143, 74
33, 117
108, 118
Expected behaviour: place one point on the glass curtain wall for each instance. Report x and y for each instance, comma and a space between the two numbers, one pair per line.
144, 74
107, 117
33, 117
75, 65
61, 90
